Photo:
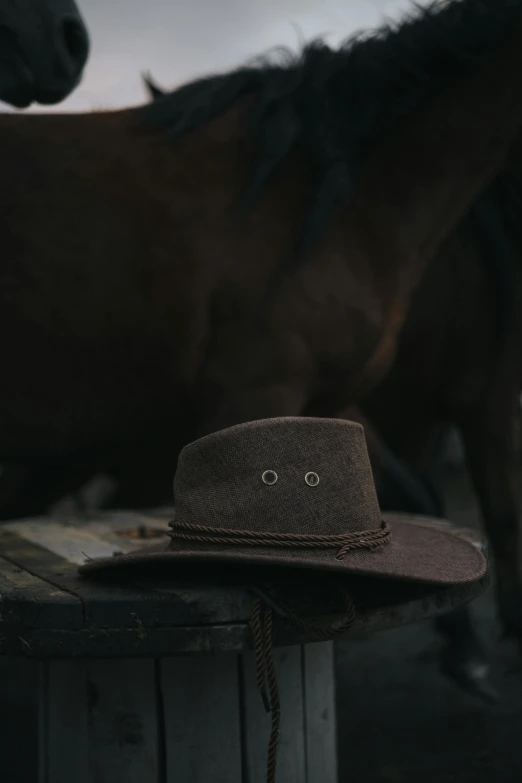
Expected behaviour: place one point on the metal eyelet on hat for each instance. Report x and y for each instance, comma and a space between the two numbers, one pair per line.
270, 477
312, 479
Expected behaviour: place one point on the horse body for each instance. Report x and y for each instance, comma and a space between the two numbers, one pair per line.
138, 300
88, 290
143, 295
160, 297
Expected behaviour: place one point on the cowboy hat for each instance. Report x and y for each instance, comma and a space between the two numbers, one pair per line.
296, 492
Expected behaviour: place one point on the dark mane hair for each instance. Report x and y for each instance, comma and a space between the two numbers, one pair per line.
336, 104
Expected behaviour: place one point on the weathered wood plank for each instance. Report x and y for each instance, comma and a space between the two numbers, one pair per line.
113, 605
18, 720
64, 741
129, 643
16, 608
73, 543
146, 641
123, 722
100, 721
291, 757
320, 712
39, 603
202, 719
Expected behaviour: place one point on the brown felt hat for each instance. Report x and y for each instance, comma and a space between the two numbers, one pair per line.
297, 492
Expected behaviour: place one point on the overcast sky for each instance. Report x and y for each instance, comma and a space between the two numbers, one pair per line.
177, 40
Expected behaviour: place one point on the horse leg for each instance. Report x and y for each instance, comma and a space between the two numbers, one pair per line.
463, 658
492, 450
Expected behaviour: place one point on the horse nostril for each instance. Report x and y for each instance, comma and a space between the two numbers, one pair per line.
76, 42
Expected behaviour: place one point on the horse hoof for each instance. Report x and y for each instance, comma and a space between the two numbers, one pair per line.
471, 674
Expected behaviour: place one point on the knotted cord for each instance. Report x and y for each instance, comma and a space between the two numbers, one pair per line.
343, 542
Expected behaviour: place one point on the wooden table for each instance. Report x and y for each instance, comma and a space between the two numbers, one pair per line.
134, 682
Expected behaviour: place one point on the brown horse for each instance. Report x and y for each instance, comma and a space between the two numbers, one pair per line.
133, 286
44, 46
245, 247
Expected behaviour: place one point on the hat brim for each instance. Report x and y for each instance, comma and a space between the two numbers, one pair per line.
421, 549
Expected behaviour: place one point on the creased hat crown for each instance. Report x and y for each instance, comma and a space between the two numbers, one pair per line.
293, 475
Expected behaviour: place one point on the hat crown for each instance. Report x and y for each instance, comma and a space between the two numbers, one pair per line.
283, 475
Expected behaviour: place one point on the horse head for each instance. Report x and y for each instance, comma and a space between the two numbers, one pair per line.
44, 46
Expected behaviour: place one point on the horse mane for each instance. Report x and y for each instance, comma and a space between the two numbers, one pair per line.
337, 104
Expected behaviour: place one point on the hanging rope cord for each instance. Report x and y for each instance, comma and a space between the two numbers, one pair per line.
263, 604
266, 678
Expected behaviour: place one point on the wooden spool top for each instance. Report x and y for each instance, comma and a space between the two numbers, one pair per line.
48, 611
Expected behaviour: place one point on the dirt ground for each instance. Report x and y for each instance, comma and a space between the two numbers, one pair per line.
400, 721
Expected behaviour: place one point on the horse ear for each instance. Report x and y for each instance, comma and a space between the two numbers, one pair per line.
422, 179
154, 92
